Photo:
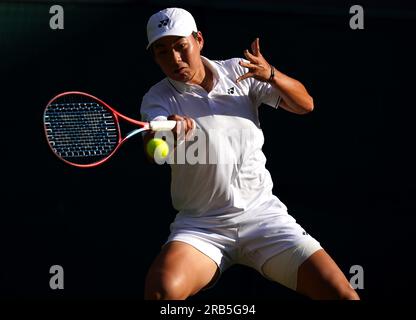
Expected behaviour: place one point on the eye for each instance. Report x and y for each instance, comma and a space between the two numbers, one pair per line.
182, 45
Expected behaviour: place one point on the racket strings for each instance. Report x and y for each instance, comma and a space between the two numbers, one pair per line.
81, 129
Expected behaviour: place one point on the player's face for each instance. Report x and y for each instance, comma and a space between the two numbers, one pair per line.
178, 57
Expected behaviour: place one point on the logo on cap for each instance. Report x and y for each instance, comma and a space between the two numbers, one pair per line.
170, 22
163, 23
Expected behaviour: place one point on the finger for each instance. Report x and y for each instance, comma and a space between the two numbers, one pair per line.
188, 125
189, 129
175, 117
249, 56
245, 76
181, 128
192, 124
253, 47
248, 65
175, 129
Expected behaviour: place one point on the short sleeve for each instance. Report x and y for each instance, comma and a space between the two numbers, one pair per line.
264, 92
260, 92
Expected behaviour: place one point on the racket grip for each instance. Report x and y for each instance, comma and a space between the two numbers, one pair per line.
164, 125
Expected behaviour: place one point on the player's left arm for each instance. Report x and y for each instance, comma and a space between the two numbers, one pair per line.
295, 97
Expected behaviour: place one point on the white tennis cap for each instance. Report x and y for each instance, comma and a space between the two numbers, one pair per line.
170, 22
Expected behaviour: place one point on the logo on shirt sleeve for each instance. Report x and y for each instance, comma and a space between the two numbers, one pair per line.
231, 90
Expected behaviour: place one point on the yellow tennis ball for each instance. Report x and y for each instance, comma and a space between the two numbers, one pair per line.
157, 148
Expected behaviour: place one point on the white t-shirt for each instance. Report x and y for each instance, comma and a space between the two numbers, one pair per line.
228, 117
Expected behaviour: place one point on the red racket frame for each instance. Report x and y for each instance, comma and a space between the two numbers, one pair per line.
117, 115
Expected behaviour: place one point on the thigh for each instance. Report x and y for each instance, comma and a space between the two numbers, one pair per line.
319, 277
283, 267
180, 265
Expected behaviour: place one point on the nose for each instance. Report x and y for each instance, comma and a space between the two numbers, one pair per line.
175, 57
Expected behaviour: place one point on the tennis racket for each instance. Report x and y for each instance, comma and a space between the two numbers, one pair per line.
84, 131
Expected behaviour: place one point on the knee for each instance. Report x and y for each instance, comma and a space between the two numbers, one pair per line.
348, 293
339, 290
162, 285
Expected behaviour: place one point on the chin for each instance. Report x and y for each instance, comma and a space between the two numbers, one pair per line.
182, 78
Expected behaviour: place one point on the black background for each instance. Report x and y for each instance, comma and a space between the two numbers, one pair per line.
345, 171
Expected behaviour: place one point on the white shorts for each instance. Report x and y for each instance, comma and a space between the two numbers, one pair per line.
259, 235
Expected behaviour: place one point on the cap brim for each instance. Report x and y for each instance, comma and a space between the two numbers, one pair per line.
169, 33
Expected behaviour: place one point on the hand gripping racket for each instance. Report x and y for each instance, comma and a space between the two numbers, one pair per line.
84, 131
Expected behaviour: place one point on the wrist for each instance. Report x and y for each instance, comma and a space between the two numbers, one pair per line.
272, 70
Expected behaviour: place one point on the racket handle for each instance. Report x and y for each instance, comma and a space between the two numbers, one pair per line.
164, 125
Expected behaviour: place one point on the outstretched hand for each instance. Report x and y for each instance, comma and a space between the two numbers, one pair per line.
258, 67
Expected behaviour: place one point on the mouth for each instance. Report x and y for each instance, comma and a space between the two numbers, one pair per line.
180, 70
